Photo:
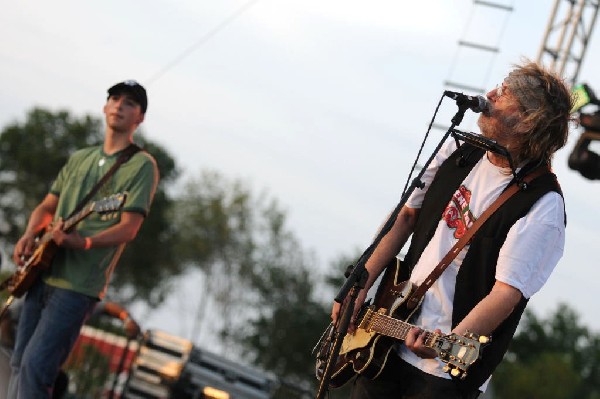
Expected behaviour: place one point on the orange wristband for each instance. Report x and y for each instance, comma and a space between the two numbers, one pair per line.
88, 243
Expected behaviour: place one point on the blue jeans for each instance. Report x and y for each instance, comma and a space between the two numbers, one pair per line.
48, 327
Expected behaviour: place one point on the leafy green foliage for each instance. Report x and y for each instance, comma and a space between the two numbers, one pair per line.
547, 376
31, 154
213, 218
260, 279
552, 358
291, 322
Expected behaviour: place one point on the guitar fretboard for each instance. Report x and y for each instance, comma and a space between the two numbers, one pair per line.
69, 223
388, 326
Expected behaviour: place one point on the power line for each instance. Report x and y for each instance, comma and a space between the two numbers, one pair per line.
209, 35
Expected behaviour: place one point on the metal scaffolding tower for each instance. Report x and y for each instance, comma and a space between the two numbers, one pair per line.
570, 27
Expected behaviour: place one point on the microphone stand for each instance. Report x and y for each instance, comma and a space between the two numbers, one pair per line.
357, 279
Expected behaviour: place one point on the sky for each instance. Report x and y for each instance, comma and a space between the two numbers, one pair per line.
322, 103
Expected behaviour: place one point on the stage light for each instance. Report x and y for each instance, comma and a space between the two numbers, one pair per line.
214, 393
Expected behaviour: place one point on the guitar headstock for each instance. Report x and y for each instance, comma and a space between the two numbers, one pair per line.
460, 352
109, 204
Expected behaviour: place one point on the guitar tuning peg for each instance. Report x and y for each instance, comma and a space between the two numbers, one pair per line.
455, 372
446, 368
484, 339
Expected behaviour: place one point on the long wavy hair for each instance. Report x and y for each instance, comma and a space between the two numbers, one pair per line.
546, 104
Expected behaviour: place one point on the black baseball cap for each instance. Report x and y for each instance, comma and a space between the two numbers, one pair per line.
134, 89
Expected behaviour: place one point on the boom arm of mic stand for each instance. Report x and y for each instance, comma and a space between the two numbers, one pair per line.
416, 183
359, 273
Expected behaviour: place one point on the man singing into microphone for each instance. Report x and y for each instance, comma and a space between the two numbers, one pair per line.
488, 284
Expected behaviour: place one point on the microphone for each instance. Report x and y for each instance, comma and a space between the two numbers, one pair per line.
474, 103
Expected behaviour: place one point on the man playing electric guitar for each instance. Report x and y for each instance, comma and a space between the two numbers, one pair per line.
486, 287
58, 303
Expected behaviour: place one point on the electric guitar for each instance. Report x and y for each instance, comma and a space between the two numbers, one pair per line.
24, 277
379, 326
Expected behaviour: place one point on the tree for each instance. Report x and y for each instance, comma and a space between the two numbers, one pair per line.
291, 320
257, 278
547, 376
215, 227
552, 358
31, 154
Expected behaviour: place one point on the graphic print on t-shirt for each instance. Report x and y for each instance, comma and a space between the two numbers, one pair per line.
457, 214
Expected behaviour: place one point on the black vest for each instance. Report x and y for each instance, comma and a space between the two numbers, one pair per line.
476, 276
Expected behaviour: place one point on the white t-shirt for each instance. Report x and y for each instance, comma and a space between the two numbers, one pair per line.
532, 248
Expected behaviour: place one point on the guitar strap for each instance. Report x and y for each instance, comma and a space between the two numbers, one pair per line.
417, 294
123, 157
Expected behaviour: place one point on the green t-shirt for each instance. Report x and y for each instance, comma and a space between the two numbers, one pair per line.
88, 272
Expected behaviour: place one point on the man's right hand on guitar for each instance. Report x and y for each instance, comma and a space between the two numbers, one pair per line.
415, 341
24, 248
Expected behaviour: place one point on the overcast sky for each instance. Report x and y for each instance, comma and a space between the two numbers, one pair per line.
323, 103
